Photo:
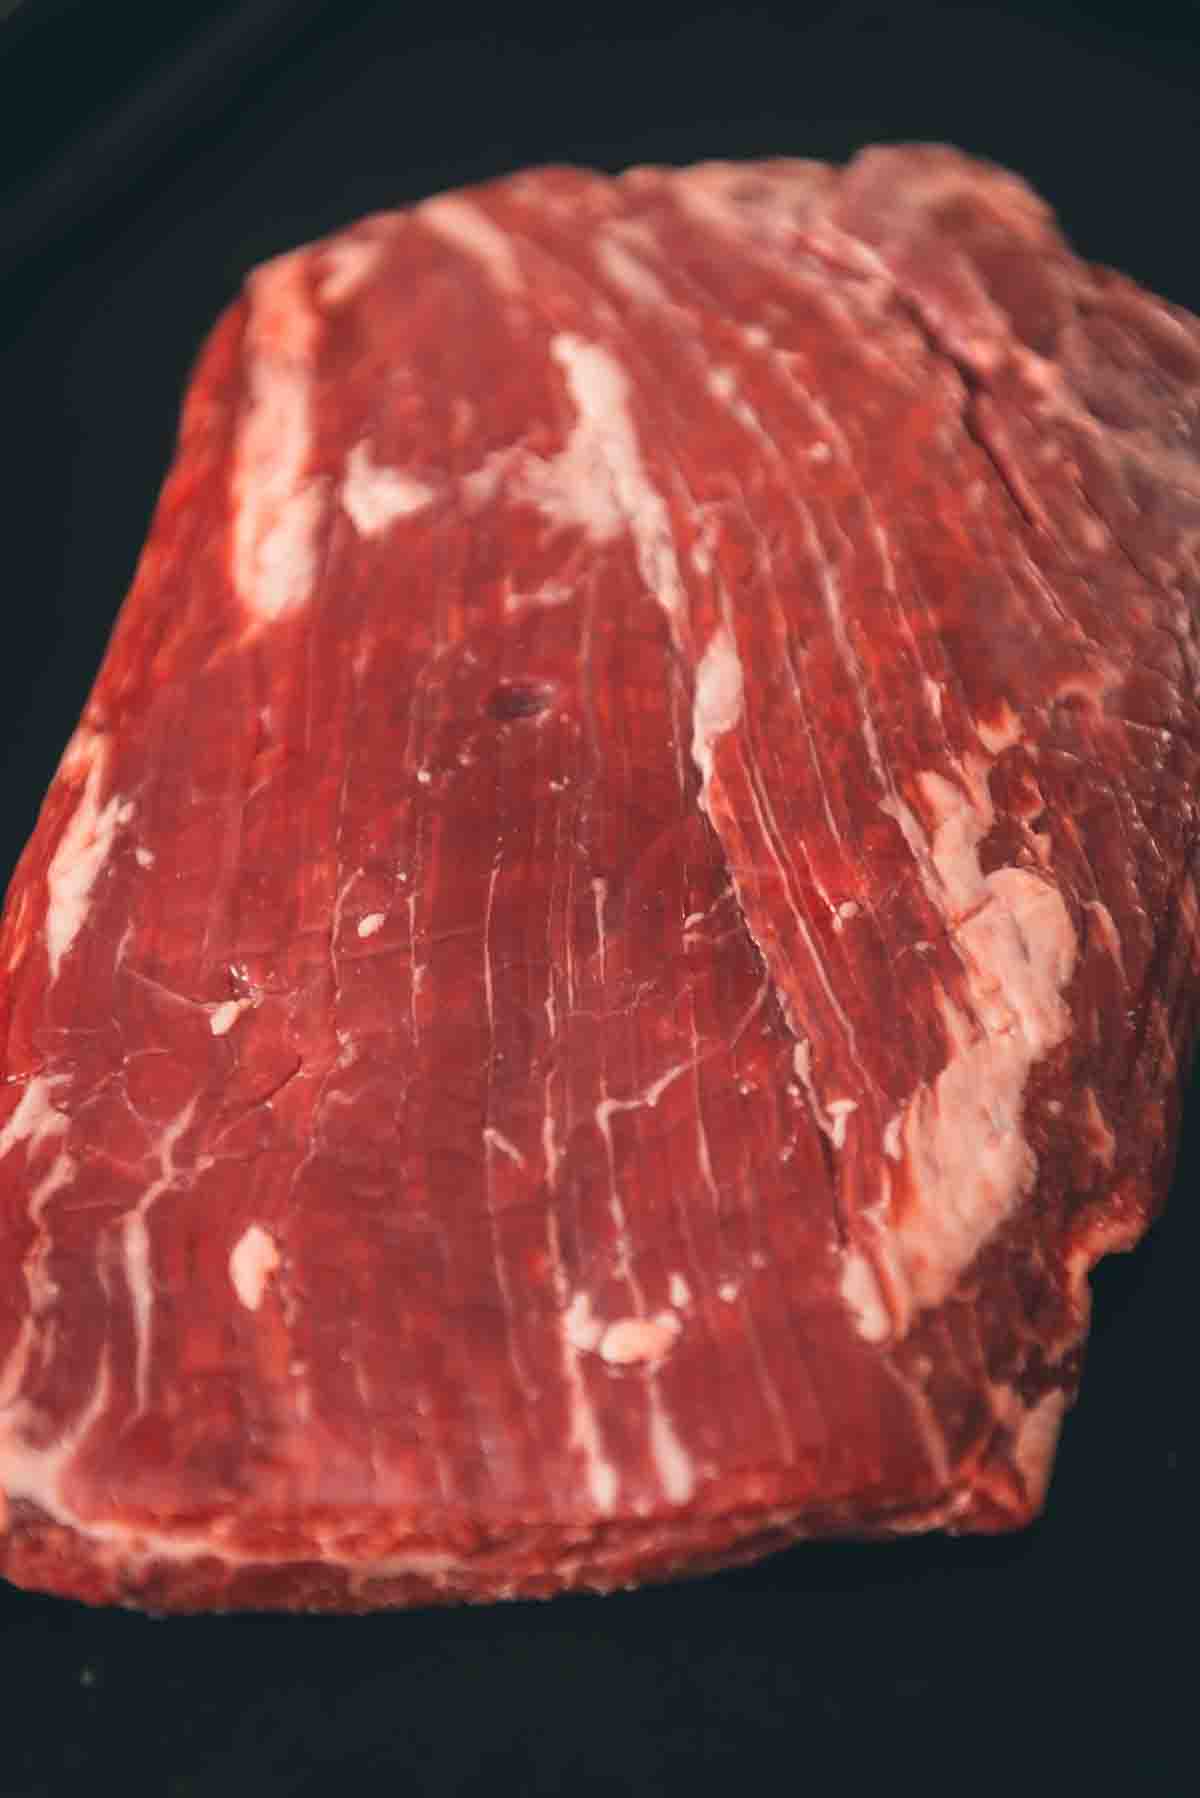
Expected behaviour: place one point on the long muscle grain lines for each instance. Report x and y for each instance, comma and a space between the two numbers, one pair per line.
592, 1009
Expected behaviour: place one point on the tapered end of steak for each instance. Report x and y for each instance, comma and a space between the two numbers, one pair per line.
619, 931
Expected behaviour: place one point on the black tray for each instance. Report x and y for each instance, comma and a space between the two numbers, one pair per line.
147, 168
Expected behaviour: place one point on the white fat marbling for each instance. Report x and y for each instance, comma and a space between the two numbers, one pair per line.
607, 1107
627, 272
278, 508
495, 1139
375, 496
468, 229
599, 900
962, 1137
674, 1465
550, 593
551, 1153
135, 1237
830, 1119
707, 542
480, 486
581, 1327
41, 1288
223, 1017
630, 1340
373, 922
861, 1291
717, 705
580, 1334
32, 1468
345, 267
83, 849
252, 1260
33, 1121
34, 1118
840, 1111
598, 482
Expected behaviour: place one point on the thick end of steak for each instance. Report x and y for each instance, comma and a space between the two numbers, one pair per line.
619, 931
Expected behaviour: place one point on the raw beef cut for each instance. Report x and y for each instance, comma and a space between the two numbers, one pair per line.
619, 931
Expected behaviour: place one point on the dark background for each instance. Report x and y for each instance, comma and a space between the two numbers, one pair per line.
147, 159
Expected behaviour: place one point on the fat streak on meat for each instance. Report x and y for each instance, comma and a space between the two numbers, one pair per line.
619, 931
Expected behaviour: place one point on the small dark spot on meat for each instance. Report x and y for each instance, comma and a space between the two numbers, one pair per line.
520, 699
751, 193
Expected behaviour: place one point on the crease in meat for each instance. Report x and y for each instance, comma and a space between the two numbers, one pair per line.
861, 1287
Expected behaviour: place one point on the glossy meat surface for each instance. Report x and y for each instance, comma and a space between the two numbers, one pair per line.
619, 930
